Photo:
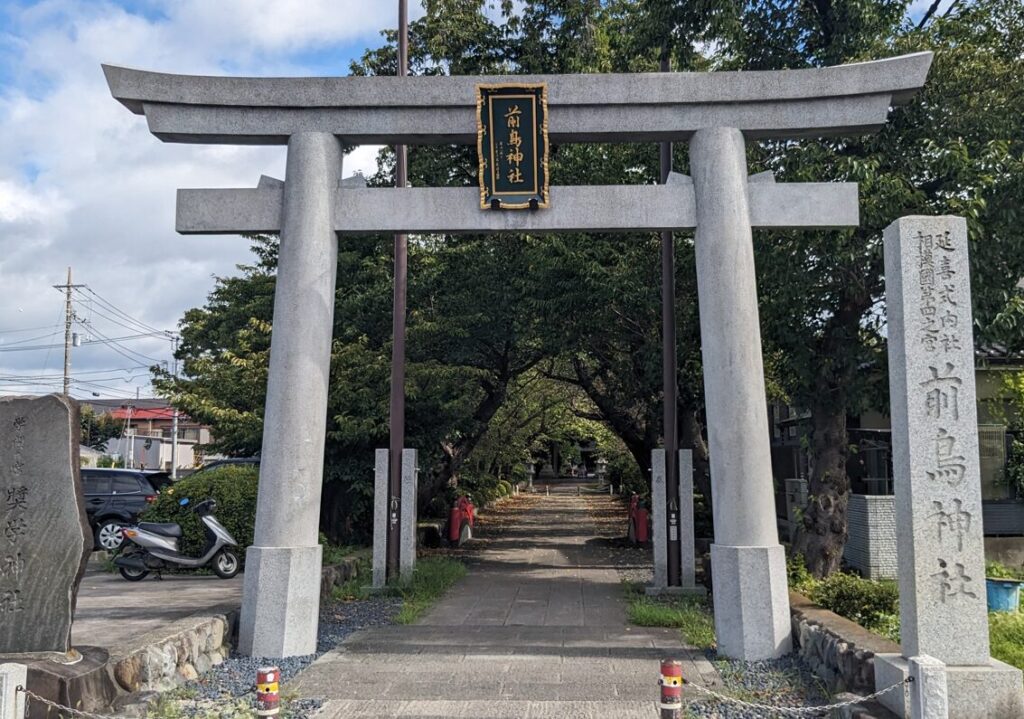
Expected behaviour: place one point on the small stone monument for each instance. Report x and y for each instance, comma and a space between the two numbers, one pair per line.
664, 532
44, 535
940, 542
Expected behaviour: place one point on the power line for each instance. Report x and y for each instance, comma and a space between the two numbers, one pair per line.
30, 339
83, 372
104, 340
113, 308
134, 327
30, 329
115, 344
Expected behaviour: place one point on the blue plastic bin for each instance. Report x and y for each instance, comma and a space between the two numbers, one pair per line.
1003, 594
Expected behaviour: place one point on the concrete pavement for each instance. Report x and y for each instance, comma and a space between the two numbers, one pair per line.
114, 614
536, 629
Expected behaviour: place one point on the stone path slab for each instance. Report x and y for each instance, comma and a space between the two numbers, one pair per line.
537, 628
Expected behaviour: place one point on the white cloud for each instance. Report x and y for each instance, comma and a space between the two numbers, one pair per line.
83, 183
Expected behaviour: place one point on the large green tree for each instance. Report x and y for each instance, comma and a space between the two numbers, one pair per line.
955, 149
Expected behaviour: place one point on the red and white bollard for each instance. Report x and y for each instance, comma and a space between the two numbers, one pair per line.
268, 691
671, 682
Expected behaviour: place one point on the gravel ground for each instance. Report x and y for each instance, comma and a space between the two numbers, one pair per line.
234, 679
785, 682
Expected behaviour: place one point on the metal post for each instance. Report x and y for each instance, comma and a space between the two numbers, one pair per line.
174, 419
69, 316
67, 336
668, 369
397, 419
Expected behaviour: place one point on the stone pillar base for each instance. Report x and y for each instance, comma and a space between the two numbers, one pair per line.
975, 692
751, 602
280, 619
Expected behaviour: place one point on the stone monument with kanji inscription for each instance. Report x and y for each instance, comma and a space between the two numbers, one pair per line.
44, 535
936, 471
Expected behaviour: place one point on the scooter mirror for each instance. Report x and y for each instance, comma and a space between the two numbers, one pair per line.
183, 501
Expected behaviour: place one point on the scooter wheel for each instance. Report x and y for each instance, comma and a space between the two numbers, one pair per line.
133, 575
226, 564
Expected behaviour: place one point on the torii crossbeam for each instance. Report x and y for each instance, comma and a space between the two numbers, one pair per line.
715, 112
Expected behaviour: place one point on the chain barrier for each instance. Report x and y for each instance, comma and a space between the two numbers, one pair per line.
32, 696
798, 711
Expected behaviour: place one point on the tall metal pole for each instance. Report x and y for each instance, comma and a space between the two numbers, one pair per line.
668, 368
174, 418
68, 313
397, 418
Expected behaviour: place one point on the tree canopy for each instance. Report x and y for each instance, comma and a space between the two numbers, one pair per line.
517, 341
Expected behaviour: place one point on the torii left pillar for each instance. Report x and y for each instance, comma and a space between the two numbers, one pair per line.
748, 565
281, 595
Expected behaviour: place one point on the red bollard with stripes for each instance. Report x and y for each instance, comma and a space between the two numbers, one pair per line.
671, 682
268, 691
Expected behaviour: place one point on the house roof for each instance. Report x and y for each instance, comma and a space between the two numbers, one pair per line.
144, 413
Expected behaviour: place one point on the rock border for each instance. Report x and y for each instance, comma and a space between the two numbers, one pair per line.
839, 651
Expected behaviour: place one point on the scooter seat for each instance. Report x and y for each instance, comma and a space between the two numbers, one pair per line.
166, 530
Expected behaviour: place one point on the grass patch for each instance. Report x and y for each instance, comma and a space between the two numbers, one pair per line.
334, 553
433, 577
1006, 636
356, 587
690, 615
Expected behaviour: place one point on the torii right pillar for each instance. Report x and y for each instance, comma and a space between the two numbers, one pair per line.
748, 565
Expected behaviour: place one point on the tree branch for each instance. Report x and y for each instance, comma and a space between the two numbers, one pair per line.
929, 13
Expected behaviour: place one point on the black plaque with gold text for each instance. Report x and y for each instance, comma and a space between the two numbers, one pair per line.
512, 141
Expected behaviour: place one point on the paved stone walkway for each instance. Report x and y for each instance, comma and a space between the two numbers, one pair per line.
536, 629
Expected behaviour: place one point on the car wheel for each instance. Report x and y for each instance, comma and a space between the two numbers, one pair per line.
133, 575
108, 535
226, 564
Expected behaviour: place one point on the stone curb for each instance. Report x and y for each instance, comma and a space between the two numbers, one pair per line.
177, 653
840, 652
336, 575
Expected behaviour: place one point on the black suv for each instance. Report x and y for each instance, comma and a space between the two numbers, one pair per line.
116, 497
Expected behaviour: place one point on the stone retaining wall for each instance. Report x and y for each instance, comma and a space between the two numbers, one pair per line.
337, 574
840, 652
189, 647
176, 654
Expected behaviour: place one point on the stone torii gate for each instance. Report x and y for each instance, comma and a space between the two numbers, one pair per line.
715, 112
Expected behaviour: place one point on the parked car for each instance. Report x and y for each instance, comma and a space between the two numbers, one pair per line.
116, 497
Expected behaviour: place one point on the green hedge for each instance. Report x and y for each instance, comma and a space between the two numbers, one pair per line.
875, 605
234, 488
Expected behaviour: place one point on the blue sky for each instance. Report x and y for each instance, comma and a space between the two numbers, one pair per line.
83, 183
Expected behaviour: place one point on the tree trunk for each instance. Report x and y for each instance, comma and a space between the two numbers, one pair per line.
823, 533
691, 437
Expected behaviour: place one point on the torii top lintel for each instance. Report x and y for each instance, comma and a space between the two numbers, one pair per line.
642, 107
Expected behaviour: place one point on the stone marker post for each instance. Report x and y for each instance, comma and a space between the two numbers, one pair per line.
928, 694
661, 533
748, 563
940, 543
380, 518
410, 488
44, 534
281, 591
12, 702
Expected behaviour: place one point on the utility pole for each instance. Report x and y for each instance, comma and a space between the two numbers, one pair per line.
668, 367
69, 315
397, 411
174, 417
